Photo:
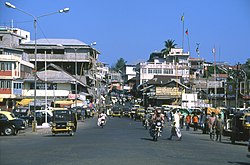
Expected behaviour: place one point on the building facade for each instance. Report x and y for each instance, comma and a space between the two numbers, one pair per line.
176, 63
14, 67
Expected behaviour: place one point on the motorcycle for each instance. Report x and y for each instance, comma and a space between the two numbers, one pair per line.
156, 130
102, 123
88, 113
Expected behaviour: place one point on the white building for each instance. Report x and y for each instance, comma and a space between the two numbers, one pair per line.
176, 63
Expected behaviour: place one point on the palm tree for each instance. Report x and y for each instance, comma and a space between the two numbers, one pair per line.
168, 45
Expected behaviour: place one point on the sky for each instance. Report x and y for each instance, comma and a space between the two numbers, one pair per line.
133, 29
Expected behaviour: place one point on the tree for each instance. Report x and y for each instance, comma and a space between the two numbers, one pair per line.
246, 68
120, 64
168, 45
153, 55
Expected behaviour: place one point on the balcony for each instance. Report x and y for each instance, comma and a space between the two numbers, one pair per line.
62, 57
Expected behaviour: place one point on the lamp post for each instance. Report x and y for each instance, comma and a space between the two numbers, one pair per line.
9, 5
75, 49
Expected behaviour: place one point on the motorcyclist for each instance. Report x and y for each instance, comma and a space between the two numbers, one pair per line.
158, 116
101, 116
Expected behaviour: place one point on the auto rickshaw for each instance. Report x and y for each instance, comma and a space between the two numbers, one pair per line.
139, 114
64, 121
240, 127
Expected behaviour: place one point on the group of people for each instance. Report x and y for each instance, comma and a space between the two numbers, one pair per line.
210, 122
159, 116
213, 123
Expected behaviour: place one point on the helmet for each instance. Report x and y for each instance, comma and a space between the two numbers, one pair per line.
158, 111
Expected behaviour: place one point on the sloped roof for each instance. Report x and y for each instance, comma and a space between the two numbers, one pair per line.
66, 42
57, 76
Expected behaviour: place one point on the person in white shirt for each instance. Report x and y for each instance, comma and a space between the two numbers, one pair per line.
100, 117
177, 119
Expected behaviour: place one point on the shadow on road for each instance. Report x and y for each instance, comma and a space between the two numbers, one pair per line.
58, 135
148, 139
241, 163
238, 144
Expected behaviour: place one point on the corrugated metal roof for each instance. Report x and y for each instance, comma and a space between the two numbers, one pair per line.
69, 42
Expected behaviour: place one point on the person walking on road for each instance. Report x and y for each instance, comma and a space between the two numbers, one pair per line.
188, 121
218, 125
176, 118
195, 121
211, 120
175, 132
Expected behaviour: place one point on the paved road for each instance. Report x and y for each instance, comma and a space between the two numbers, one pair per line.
121, 142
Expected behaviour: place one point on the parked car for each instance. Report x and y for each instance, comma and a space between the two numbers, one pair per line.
9, 124
7, 128
23, 113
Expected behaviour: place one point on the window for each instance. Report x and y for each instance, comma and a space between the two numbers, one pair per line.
167, 71
5, 66
17, 86
5, 84
157, 71
144, 70
150, 71
1, 38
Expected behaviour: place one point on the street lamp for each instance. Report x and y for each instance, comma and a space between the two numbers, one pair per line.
65, 10
75, 49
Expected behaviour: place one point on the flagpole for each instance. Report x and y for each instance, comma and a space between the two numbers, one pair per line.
182, 19
215, 88
199, 69
188, 40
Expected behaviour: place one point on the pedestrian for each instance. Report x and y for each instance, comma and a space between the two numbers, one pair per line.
188, 121
175, 131
195, 121
205, 123
211, 120
218, 126
176, 118
182, 120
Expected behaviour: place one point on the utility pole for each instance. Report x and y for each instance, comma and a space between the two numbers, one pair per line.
236, 87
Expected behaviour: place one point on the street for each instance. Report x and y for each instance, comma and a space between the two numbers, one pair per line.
122, 141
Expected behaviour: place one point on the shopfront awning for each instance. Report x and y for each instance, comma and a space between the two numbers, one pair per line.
24, 102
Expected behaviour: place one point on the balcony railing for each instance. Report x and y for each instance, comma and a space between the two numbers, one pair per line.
61, 57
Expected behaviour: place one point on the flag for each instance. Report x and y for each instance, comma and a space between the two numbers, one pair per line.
197, 50
187, 32
213, 50
182, 17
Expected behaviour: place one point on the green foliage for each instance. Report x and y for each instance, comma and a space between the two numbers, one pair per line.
168, 45
164, 52
120, 64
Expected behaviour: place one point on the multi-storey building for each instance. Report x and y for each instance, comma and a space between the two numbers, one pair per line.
14, 66
176, 63
55, 58
73, 56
